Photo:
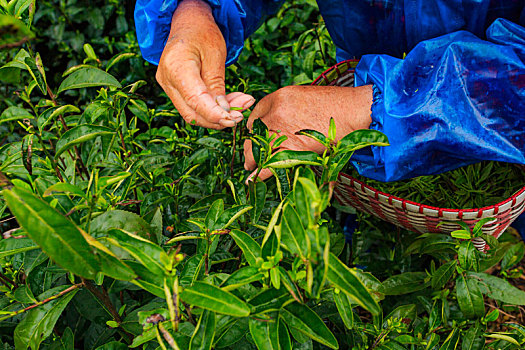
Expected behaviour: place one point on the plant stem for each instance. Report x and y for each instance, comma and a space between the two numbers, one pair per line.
234, 141
159, 339
207, 254
167, 336
51, 298
7, 281
51, 158
320, 47
103, 296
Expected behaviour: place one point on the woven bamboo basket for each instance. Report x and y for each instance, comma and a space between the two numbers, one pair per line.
410, 215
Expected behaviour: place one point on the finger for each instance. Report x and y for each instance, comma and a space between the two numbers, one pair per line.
213, 75
240, 100
236, 116
263, 175
222, 102
196, 95
189, 115
249, 161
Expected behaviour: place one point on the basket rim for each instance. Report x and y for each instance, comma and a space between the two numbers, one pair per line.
440, 211
334, 67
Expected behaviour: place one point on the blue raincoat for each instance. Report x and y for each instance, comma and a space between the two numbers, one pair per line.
457, 98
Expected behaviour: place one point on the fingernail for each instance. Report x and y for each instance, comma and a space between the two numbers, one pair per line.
221, 101
249, 103
250, 178
236, 115
227, 123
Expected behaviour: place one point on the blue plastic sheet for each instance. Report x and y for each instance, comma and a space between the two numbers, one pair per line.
453, 101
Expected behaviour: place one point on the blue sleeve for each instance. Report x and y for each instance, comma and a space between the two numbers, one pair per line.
519, 225
237, 19
453, 101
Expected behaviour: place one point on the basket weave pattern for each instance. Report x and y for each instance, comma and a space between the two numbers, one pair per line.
411, 215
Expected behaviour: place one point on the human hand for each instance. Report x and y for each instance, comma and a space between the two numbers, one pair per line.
191, 69
294, 108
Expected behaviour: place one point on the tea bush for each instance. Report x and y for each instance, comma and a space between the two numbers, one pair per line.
125, 228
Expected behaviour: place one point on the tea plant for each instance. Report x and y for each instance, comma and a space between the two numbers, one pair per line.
124, 228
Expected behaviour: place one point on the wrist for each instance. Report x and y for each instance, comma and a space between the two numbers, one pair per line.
194, 8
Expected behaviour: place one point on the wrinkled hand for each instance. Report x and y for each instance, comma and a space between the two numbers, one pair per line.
293, 108
191, 69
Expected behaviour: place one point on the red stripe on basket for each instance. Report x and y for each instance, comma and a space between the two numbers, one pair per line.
325, 79
377, 209
403, 219
431, 224
339, 75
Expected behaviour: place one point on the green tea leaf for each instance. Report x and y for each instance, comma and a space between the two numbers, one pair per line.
65, 188
344, 306
250, 248
306, 321
58, 237
405, 283
7, 249
473, 339
469, 297
257, 199
503, 337
39, 322
215, 211
452, 341
461, 234
241, 277
497, 288
213, 298
443, 274
202, 338
123, 220
50, 114
513, 256
88, 77
292, 233
232, 332
265, 334
316, 135
193, 270
153, 257
80, 134
229, 216
363, 138
269, 300
347, 281
14, 31
14, 113
284, 336
288, 159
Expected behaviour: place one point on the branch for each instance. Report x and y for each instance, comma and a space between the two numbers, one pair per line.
65, 291
16, 43
104, 298
7, 281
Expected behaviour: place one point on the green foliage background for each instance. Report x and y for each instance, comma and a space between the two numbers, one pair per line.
123, 227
